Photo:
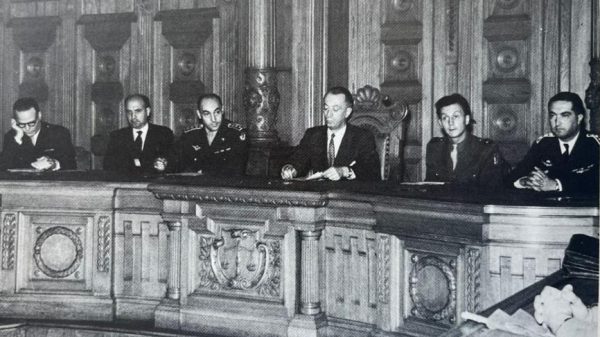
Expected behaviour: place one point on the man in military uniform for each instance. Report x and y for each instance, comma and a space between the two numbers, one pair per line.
459, 157
217, 146
33, 143
564, 160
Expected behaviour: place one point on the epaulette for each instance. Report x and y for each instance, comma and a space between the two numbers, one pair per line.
544, 136
235, 126
595, 136
194, 127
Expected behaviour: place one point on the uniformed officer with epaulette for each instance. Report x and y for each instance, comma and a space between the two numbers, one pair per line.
565, 160
459, 157
217, 146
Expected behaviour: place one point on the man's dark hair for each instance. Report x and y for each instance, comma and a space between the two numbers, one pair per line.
341, 90
575, 100
140, 97
25, 103
453, 99
209, 96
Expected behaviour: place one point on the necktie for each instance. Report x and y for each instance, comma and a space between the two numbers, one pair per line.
565, 155
454, 155
138, 141
331, 151
27, 141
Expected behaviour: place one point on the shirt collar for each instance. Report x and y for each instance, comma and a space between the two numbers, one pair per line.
571, 143
144, 130
339, 133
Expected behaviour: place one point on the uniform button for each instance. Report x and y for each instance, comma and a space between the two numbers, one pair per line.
195, 159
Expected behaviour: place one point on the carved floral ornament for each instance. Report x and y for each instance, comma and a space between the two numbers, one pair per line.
239, 261
432, 288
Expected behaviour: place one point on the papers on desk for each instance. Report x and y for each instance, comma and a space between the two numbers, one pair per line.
314, 176
185, 174
520, 323
25, 170
424, 183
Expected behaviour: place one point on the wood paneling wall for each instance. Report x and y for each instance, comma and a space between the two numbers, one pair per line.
508, 57
72, 65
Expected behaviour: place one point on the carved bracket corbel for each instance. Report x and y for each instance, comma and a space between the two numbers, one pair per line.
34, 36
107, 33
187, 32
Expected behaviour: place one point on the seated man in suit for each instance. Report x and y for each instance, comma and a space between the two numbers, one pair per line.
142, 147
336, 150
459, 157
34, 143
217, 146
564, 160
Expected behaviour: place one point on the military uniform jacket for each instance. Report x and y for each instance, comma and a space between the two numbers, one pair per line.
479, 162
53, 141
358, 146
578, 174
225, 156
121, 151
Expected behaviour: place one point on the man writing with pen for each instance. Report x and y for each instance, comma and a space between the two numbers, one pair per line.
565, 160
337, 150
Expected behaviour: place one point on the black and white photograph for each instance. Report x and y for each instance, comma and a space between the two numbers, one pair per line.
299, 168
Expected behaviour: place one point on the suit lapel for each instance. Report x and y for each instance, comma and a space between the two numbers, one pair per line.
41, 139
345, 151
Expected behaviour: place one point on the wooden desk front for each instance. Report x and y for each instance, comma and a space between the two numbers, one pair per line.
260, 257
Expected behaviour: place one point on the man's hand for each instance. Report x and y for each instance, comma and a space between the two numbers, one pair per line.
539, 181
334, 173
18, 131
160, 164
288, 172
44, 164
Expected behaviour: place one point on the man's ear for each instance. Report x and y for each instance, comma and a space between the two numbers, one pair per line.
440, 123
348, 112
579, 118
148, 112
39, 114
198, 113
467, 119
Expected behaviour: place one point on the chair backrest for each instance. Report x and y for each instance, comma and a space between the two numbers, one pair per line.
375, 112
83, 158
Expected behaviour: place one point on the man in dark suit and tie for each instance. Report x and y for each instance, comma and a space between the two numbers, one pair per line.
338, 150
565, 160
142, 147
34, 143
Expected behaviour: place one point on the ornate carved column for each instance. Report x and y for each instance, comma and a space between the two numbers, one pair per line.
309, 292
310, 319
173, 288
261, 97
591, 94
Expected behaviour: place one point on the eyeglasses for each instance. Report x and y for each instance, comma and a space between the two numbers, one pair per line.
30, 124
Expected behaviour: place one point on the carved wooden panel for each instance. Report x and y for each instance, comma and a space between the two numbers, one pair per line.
401, 35
435, 282
188, 62
34, 36
106, 34
59, 255
507, 90
355, 281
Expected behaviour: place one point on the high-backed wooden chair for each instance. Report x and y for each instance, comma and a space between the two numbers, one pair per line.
375, 112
